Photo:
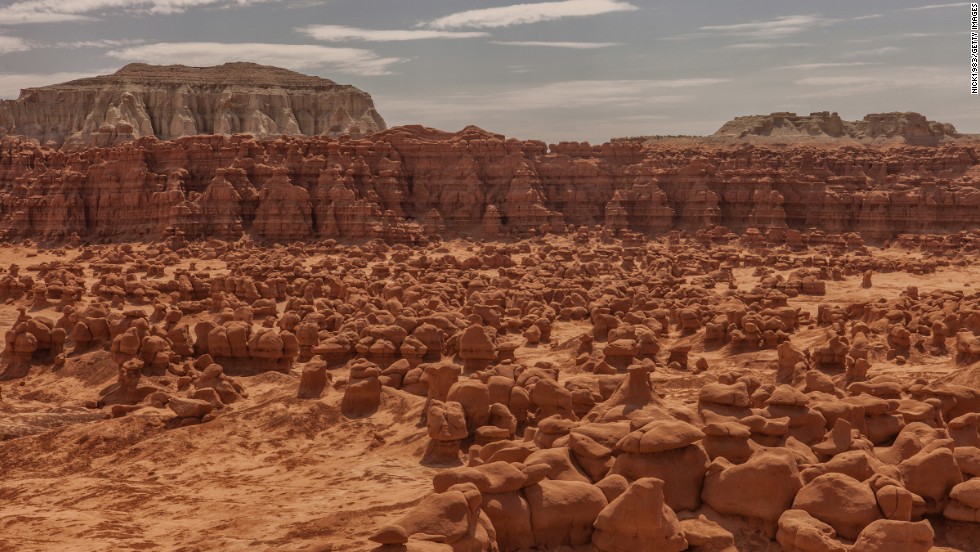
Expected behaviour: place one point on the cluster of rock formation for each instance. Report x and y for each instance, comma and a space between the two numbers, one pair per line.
411, 183
822, 450
645, 348
910, 128
819, 459
172, 101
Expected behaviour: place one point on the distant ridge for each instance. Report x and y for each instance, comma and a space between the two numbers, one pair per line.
903, 127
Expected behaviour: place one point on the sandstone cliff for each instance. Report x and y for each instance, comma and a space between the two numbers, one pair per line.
411, 182
172, 101
911, 128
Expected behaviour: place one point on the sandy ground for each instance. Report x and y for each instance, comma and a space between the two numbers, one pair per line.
275, 473
278, 473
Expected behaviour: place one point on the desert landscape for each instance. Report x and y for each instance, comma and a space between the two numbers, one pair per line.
242, 313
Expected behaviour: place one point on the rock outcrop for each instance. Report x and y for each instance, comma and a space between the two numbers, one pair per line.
411, 184
172, 101
908, 127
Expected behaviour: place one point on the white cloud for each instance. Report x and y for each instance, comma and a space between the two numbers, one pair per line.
884, 50
937, 6
768, 45
56, 11
10, 44
571, 45
298, 57
772, 28
337, 33
835, 81
871, 16
10, 16
12, 84
808, 66
101, 43
520, 14
180, 6
680, 83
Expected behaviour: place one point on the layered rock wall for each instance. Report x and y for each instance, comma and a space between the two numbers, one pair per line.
168, 102
411, 182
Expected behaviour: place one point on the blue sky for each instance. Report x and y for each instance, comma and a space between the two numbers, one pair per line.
553, 70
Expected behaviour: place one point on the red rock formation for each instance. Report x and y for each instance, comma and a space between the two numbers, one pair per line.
410, 182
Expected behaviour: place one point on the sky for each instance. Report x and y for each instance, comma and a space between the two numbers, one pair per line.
551, 70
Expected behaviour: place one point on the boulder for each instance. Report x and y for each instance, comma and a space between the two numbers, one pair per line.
639, 520
887, 535
762, 488
840, 501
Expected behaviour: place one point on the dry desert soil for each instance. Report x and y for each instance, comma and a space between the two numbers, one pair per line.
119, 434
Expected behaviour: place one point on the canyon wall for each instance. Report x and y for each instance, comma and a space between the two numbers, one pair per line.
407, 183
168, 102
